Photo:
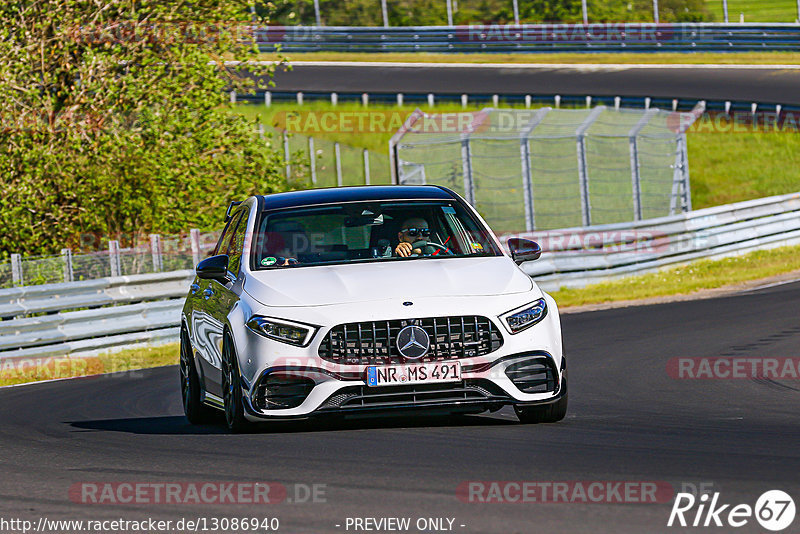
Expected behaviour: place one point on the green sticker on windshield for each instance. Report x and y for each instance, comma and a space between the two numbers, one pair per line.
448, 209
269, 261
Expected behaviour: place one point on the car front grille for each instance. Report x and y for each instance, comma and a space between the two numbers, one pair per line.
464, 392
371, 343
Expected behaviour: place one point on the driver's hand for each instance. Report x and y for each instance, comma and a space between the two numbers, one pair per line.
403, 250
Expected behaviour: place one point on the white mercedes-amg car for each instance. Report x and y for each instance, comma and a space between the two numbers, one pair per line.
377, 299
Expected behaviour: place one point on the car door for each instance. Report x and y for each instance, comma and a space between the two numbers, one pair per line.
220, 298
205, 331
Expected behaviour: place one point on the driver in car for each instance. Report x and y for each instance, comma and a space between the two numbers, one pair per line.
412, 230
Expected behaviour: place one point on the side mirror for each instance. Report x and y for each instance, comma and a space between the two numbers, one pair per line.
214, 268
524, 250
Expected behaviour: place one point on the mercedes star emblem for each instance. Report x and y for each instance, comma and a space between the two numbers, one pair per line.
413, 342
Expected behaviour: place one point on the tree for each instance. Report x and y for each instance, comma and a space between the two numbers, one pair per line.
114, 123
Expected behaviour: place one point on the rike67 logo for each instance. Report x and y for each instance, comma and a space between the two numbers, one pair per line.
774, 510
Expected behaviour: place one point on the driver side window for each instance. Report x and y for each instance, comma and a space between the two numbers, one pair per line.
237, 243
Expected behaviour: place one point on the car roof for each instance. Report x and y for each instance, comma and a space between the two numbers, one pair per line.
335, 195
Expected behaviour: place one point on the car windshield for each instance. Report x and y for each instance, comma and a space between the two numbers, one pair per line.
369, 231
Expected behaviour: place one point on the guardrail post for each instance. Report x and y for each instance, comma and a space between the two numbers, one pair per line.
286, 154
636, 181
233, 97
69, 275
366, 167
312, 160
450, 13
385, 14
337, 152
113, 258
194, 238
365, 99
466, 167
655, 11
516, 12
16, 270
334, 99
268, 98
400, 99
725, 10
155, 249
527, 175
583, 173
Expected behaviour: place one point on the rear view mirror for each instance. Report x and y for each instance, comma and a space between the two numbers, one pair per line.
214, 268
524, 250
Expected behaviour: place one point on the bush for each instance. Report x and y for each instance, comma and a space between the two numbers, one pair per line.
114, 122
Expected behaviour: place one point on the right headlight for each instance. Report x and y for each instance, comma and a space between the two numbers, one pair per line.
519, 319
280, 330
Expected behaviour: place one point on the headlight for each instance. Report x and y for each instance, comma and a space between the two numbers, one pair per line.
529, 315
280, 330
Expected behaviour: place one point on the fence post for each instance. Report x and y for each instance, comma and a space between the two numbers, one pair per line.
516, 12
261, 131
194, 238
155, 249
385, 14
466, 167
583, 173
655, 11
268, 98
337, 152
69, 275
312, 160
527, 175
113, 258
686, 189
636, 181
725, 10
233, 96
449, 13
317, 16
366, 167
585, 12
286, 154
16, 270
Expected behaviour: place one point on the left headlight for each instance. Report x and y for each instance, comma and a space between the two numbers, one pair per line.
280, 330
530, 314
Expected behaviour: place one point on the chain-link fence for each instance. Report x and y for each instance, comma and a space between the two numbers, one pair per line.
332, 164
552, 168
160, 253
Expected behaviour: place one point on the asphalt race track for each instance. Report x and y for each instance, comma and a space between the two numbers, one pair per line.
760, 84
628, 421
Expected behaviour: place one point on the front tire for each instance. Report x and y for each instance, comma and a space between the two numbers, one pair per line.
232, 389
545, 413
196, 412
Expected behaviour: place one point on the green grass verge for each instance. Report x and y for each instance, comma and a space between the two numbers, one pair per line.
725, 167
687, 58
686, 279
37, 369
755, 11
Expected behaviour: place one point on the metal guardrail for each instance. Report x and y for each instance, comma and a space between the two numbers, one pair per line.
605, 252
84, 317
600, 37
57, 319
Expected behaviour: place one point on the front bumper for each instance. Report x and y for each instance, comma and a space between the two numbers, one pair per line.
301, 392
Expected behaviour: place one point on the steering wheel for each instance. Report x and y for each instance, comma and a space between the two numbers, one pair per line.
423, 243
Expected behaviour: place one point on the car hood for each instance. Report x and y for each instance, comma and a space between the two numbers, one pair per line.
342, 284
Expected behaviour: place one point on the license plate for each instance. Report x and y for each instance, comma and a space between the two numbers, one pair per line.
416, 373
